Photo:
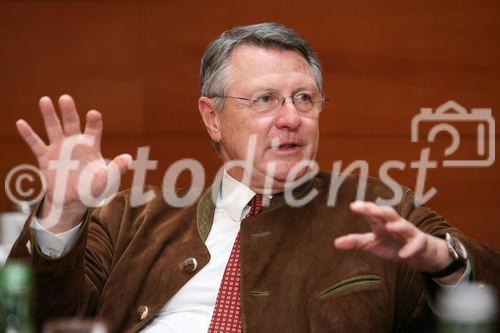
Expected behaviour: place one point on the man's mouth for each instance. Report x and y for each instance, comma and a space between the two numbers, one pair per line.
284, 146
287, 145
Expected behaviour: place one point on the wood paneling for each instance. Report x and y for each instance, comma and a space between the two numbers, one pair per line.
137, 62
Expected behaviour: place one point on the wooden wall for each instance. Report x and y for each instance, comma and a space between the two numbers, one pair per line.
137, 62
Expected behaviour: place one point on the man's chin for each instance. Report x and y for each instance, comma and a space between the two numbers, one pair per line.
289, 173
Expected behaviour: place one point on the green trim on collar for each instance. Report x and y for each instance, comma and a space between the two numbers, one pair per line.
205, 214
206, 206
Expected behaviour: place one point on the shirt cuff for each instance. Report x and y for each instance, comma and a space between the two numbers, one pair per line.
464, 278
54, 245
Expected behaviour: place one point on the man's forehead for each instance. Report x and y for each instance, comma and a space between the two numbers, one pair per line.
254, 63
251, 54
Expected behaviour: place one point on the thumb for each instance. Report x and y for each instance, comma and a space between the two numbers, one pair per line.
122, 162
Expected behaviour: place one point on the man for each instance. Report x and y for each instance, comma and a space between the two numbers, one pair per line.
219, 265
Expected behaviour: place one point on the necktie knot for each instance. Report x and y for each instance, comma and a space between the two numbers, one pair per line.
256, 205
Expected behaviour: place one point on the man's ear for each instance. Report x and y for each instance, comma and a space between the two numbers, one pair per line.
210, 118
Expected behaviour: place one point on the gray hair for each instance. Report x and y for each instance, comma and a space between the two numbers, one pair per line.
215, 71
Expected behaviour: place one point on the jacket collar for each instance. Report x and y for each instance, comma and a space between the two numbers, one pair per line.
206, 204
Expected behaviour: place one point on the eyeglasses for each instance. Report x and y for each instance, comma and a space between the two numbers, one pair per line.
306, 102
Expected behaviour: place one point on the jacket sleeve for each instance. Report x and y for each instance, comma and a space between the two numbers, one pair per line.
415, 306
71, 284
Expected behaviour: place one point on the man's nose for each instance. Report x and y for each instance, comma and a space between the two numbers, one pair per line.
287, 116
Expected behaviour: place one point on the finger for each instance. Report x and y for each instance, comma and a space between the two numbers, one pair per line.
50, 119
370, 209
115, 169
34, 142
69, 115
389, 213
354, 241
414, 246
365, 209
402, 228
93, 126
122, 162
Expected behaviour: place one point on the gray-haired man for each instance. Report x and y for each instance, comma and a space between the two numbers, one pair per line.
219, 266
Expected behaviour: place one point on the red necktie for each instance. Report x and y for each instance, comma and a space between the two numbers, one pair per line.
227, 316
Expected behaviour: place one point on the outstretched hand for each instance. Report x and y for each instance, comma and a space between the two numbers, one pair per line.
394, 238
84, 148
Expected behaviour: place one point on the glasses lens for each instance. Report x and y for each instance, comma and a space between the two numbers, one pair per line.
306, 101
264, 101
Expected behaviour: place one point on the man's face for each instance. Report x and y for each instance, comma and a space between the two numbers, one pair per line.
284, 136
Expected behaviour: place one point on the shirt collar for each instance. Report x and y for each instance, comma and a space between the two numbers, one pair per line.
234, 196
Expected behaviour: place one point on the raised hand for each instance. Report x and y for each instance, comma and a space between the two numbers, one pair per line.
66, 175
395, 238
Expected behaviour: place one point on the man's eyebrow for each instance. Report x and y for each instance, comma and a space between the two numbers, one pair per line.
277, 91
304, 88
266, 89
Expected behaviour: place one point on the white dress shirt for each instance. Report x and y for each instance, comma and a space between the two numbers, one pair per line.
191, 308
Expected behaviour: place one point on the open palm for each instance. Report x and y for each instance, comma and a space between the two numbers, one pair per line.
84, 148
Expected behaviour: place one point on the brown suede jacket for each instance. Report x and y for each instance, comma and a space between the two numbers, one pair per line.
127, 260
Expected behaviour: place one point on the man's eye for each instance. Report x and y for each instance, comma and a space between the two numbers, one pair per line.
303, 97
264, 99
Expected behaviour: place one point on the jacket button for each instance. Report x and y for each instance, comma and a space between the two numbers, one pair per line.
189, 265
142, 312
28, 247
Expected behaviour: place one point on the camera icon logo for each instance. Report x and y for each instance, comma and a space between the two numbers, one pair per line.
444, 117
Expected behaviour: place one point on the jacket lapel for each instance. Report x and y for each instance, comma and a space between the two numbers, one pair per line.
157, 257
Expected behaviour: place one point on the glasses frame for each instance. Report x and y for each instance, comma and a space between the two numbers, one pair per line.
293, 98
